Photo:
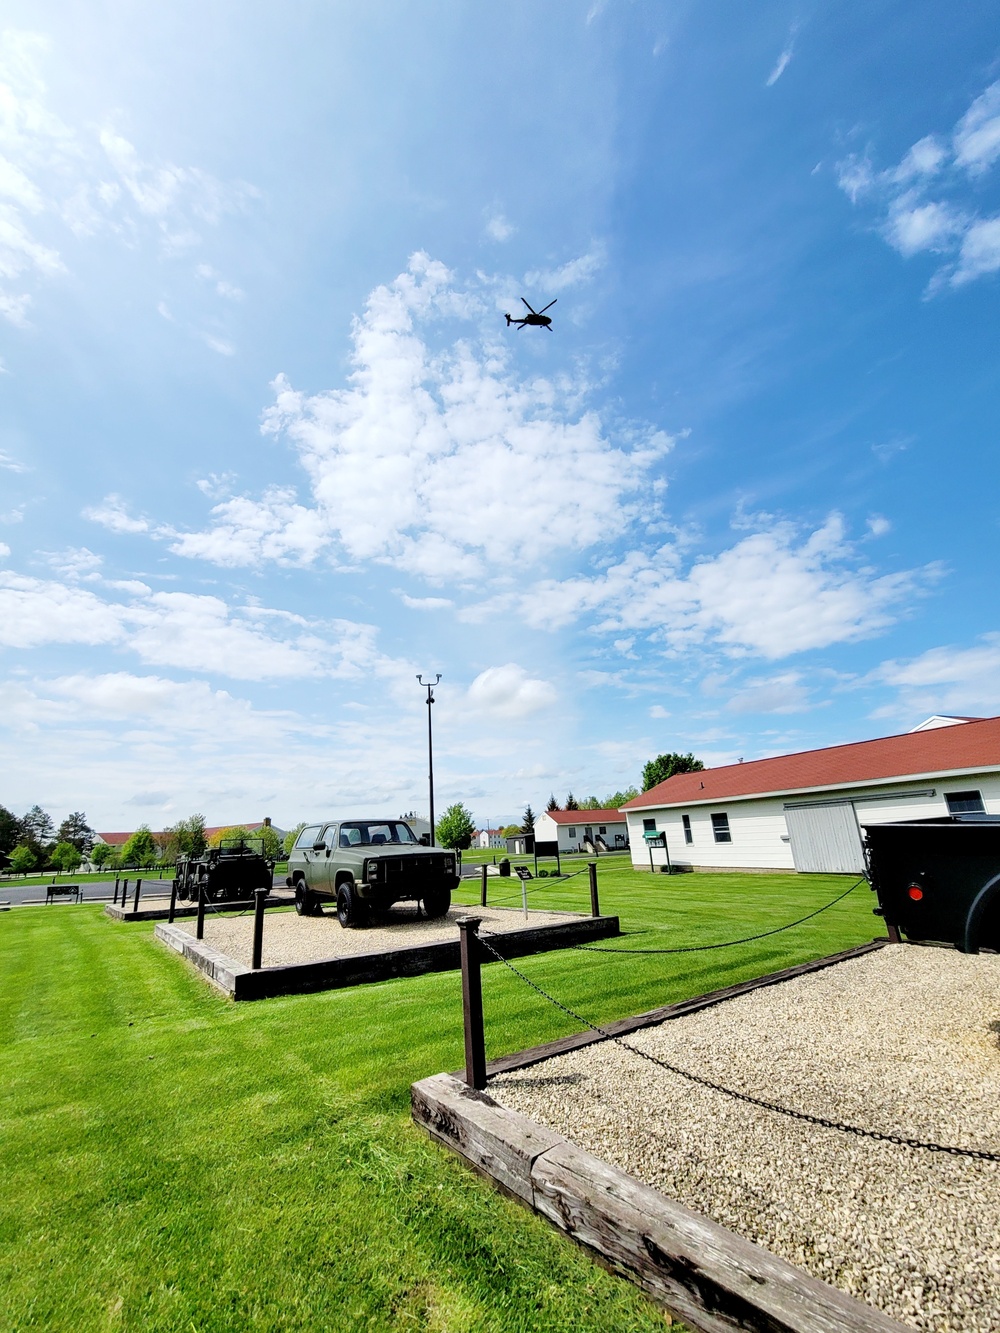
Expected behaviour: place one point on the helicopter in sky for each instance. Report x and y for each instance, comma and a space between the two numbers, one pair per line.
537, 317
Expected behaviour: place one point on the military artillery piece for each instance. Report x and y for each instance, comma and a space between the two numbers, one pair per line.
228, 873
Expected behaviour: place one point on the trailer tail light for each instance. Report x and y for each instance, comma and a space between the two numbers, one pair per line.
915, 892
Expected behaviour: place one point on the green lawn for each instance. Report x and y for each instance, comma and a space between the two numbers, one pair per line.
175, 1161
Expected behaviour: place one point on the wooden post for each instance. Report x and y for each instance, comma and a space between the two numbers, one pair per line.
482, 887
173, 900
260, 898
472, 1002
558, 862
135, 902
200, 934
595, 906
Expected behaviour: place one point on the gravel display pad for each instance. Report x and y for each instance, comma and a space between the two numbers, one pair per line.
289, 938
905, 1040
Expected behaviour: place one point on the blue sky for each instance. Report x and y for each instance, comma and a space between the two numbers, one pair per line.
268, 449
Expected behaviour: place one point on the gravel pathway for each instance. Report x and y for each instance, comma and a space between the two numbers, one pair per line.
906, 1040
289, 938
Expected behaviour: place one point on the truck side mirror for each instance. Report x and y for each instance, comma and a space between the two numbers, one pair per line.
425, 839
318, 846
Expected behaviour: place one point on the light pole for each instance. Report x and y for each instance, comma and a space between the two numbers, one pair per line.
429, 687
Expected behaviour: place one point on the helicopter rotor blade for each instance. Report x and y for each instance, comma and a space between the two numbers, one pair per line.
548, 307
520, 324
548, 327
534, 312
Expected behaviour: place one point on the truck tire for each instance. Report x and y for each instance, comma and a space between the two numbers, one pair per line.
305, 903
350, 909
437, 902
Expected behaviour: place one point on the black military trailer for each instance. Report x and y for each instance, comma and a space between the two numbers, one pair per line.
229, 873
938, 879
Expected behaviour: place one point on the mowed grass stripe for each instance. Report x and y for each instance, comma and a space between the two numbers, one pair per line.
175, 1161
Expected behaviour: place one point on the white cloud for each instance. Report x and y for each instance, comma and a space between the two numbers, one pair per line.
659, 712
574, 273
190, 631
879, 525
499, 229
951, 679
784, 693
90, 182
773, 594
425, 603
4, 550
508, 691
439, 463
11, 464
913, 223
219, 345
977, 135
784, 59
112, 514
76, 562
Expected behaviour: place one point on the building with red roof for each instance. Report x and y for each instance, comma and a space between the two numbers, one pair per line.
805, 811
573, 830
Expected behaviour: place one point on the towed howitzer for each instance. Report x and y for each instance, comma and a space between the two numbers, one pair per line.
228, 873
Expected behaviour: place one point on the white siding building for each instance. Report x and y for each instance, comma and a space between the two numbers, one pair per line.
805, 811
573, 830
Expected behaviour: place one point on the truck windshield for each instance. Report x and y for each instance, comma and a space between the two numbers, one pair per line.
365, 833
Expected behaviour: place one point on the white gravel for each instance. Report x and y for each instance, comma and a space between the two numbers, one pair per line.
289, 938
906, 1041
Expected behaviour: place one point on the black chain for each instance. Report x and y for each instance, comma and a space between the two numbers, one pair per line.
726, 944
538, 884
978, 1153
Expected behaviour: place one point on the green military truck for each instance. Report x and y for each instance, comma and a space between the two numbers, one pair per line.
367, 865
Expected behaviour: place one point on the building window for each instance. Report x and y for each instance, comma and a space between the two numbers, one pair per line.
602, 828
649, 826
720, 827
965, 803
572, 832
686, 821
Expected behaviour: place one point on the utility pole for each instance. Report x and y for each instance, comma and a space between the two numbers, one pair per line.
429, 687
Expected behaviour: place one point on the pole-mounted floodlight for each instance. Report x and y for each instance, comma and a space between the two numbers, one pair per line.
429, 687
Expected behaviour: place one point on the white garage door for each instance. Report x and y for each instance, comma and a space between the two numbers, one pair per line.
825, 837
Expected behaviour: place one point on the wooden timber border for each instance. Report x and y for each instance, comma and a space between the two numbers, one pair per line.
621, 1027
713, 1279
119, 913
244, 983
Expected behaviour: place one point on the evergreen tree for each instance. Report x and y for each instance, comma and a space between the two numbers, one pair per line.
528, 820
76, 830
10, 830
455, 828
37, 829
666, 766
552, 805
571, 803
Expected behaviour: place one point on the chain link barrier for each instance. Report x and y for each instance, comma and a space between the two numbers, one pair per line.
977, 1154
726, 944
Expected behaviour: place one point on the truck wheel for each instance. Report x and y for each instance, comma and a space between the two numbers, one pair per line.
350, 911
305, 904
438, 902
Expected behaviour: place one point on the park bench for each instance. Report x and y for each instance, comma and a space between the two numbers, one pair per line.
54, 891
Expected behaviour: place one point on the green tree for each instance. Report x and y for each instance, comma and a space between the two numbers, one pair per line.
10, 830
617, 799
272, 843
188, 836
455, 828
76, 830
528, 820
591, 803
291, 837
552, 805
23, 859
140, 850
229, 835
571, 803
37, 830
66, 856
100, 853
510, 830
666, 766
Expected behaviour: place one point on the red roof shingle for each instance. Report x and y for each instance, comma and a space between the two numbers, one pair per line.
968, 745
586, 816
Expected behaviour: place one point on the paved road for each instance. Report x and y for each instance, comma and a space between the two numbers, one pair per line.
94, 891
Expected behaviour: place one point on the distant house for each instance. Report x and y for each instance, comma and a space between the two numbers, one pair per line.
120, 839
583, 830
491, 839
805, 811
